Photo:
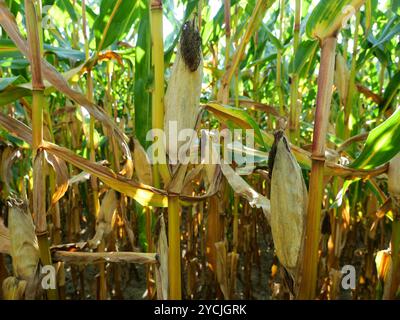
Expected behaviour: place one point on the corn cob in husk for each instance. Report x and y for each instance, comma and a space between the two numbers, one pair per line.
184, 86
394, 179
342, 75
288, 204
13, 289
24, 244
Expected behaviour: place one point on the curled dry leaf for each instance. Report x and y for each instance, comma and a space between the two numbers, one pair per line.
162, 267
142, 164
60, 168
105, 218
144, 194
240, 186
193, 176
16, 128
8, 156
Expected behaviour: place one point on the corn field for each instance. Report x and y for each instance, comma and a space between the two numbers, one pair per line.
193, 149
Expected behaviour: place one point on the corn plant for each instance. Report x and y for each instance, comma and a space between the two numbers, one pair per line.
198, 149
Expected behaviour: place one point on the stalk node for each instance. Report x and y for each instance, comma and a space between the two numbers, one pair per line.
318, 158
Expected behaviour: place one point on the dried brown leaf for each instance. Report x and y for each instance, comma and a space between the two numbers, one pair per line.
240, 186
144, 194
60, 168
95, 257
142, 164
8, 156
105, 218
162, 267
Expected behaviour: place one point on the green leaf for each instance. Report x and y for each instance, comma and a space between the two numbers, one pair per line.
5, 82
9, 92
305, 51
387, 34
391, 91
143, 122
8, 49
65, 53
66, 5
241, 118
382, 144
113, 21
274, 40
340, 196
14, 63
10, 95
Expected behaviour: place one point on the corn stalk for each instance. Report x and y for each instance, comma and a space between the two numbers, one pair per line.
38, 101
313, 221
295, 106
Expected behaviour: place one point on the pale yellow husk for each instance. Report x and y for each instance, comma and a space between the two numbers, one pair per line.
13, 289
182, 101
288, 207
24, 245
394, 178
342, 75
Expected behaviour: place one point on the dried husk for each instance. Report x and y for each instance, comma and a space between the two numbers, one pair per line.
184, 88
142, 164
4, 238
288, 206
105, 219
394, 179
24, 245
162, 267
342, 75
383, 263
13, 289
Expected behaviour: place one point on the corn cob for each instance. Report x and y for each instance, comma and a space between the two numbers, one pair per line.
288, 204
184, 87
24, 245
394, 179
13, 289
342, 76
